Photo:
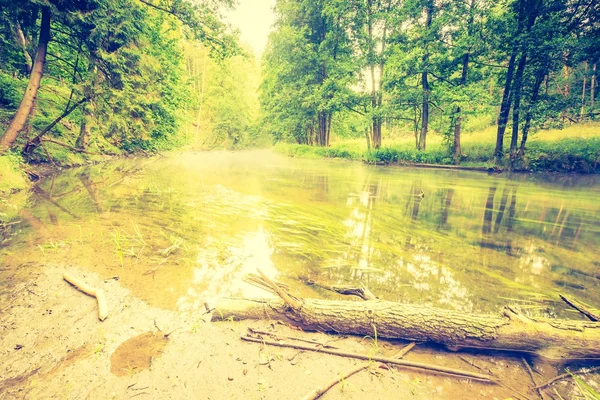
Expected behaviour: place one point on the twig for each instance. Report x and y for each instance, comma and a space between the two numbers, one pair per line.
515, 391
592, 313
567, 375
529, 370
315, 394
361, 291
368, 294
276, 336
257, 281
289, 299
410, 364
85, 288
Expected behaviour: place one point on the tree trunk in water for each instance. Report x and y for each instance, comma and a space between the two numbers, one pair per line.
505, 108
18, 122
516, 107
425, 115
555, 339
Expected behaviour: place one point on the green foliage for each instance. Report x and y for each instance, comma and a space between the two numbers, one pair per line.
123, 57
12, 179
10, 96
566, 155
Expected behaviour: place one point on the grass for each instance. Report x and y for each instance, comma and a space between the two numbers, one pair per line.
573, 149
12, 179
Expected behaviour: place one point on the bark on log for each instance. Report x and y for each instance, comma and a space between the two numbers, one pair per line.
554, 339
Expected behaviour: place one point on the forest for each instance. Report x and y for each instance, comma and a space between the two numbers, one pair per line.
360, 68
119, 77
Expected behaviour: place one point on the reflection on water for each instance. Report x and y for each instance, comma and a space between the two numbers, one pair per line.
183, 230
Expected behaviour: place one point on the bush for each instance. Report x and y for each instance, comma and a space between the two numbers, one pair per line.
10, 95
566, 155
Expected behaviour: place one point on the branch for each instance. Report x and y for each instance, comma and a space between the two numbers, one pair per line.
387, 360
36, 140
68, 146
590, 312
443, 79
315, 394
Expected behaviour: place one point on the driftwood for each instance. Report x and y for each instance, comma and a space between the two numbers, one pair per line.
553, 338
87, 289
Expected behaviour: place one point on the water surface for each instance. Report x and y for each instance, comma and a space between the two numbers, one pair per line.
185, 229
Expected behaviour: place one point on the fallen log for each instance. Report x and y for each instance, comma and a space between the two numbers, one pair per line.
552, 338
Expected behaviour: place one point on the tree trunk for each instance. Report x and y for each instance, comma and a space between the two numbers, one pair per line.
18, 122
593, 85
505, 107
22, 42
518, 83
84, 133
583, 91
376, 132
323, 127
457, 152
35, 142
554, 339
425, 113
534, 96
422, 144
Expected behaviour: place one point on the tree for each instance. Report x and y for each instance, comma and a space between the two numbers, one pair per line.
102, 45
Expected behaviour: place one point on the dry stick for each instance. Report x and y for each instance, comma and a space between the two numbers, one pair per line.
276, 336
85, 288
592, 313
410, 364
567, 375
515, 391
291, 301
255, 280
540, 391
315, 394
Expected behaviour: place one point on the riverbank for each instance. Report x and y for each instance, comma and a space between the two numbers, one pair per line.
572, 150
55, 346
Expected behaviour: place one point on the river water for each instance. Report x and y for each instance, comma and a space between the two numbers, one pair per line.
184, 229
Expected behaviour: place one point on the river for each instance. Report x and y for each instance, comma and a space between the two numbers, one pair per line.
186, 228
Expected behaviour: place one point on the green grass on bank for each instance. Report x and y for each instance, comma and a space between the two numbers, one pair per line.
574, 149
12, 178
